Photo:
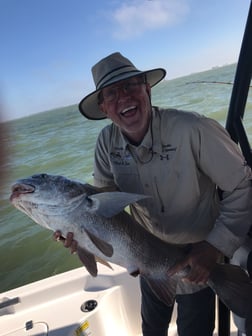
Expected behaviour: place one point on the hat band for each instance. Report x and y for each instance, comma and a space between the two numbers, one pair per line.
112, 74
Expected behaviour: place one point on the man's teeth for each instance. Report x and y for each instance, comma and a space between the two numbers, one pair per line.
128, 109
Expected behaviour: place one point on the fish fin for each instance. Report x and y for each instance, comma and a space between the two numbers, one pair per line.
248, 326
103, 262
234, 288
91, 190
88, 260
102, 245
164, 289
109, 204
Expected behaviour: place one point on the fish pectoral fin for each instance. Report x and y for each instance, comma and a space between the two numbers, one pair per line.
103, 262
109, 204
164, 289
88, 260
103, 246
234, 288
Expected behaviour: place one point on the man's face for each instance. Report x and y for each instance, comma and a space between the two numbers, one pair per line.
127, 104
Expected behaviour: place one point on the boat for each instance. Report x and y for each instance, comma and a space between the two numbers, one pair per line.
75, 304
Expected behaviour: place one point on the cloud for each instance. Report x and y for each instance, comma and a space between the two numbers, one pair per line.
134, 18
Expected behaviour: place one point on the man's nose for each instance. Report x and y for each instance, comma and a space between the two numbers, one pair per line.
122, 92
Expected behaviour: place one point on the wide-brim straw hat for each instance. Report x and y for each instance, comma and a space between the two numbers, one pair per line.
110, 70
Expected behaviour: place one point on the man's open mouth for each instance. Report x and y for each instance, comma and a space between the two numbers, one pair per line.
128, 111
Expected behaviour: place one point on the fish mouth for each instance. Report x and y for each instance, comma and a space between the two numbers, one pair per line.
20, 189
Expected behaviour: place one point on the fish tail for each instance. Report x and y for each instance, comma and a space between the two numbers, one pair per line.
248, 326
234, 288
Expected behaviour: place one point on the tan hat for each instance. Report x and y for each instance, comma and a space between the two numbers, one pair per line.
110, 70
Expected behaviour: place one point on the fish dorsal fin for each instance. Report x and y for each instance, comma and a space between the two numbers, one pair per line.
88, 260
109, 204
103, 246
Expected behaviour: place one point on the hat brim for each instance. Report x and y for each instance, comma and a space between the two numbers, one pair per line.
89, 107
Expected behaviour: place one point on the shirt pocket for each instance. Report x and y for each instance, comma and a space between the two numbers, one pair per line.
127, 178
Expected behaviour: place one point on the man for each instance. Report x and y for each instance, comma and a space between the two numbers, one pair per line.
179, 159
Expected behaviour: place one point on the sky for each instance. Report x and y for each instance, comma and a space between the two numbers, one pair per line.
49, 46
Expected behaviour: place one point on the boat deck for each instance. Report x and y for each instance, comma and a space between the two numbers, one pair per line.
74, 303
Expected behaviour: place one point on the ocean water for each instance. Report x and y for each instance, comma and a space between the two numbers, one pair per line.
62, 142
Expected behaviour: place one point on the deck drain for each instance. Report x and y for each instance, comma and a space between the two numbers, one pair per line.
89, 305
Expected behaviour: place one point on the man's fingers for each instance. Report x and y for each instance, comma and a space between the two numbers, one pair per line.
57, 236
179, 266
74, 246
198, 276
69, 240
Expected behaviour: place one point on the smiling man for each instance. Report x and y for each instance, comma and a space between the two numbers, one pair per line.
179, 159
127, 104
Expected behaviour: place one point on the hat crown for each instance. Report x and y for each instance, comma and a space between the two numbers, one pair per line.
110, 68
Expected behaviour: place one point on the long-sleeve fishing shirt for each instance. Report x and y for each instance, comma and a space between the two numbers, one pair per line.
183, 162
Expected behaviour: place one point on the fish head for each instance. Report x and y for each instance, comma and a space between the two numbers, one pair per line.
42, 196
54, 201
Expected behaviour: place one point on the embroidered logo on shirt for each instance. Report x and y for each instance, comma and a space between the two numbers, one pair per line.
167, 150
163, 157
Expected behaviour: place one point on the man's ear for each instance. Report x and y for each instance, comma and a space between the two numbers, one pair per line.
148, 89
102, 108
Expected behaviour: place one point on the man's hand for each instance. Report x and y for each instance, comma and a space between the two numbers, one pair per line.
68, 242
88, 259
200, 260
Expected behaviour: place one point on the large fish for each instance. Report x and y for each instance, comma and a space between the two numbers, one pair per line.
104, 231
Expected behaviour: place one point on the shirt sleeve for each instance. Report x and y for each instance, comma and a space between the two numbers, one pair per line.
221, 159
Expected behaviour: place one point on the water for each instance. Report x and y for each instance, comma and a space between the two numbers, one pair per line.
62, 142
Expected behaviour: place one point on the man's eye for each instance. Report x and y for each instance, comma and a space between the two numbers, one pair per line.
109, 93
131, 85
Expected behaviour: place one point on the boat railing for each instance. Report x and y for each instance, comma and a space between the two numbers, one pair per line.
236, 129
